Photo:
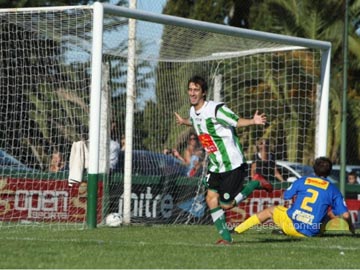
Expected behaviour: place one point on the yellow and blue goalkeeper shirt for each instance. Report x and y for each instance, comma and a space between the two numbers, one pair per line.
215, 125
314, 196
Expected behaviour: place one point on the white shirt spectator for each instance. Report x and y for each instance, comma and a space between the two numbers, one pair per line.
114, 153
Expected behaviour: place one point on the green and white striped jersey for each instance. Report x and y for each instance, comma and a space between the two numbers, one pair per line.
215, 125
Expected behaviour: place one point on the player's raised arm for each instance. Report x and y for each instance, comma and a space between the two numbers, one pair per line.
258, 119
182, 121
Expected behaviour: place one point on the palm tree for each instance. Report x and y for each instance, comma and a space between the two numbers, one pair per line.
317, 20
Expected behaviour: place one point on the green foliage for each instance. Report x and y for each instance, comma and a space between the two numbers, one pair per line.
301, 18
52, 91
323, 21
170, 247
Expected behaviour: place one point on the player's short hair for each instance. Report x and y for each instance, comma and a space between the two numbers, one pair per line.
200, 81
322, 166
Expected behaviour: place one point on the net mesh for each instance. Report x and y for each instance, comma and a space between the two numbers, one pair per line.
45, 76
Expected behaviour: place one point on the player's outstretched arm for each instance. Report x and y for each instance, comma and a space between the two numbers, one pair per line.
258, 119
182, 121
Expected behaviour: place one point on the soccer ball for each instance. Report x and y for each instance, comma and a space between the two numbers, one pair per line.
113, 220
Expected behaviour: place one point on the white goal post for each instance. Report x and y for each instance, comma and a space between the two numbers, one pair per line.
279, 40
67, 67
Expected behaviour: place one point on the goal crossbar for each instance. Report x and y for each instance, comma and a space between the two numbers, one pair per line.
215, 28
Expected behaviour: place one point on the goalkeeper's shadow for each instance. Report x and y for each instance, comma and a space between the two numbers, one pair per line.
339, 234
286, 239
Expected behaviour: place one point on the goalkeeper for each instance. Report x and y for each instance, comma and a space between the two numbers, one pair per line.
215, 126
313, 197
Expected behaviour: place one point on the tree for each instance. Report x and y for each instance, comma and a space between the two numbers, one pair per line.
212, 11
323, 22
52, 93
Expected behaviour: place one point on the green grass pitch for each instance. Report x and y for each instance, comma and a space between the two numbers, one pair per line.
170, 247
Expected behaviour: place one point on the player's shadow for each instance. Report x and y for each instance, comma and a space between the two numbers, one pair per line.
280, 239
286, 239
339, 234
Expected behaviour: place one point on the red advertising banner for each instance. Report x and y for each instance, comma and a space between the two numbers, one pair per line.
53, 201
257, 201
354, 208
44, 200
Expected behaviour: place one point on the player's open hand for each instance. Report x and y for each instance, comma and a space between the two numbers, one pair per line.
179, 119
259, 119
182, 121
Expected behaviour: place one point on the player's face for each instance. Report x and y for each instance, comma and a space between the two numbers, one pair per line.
196, 95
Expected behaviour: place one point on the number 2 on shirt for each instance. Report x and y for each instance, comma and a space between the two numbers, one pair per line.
307, 201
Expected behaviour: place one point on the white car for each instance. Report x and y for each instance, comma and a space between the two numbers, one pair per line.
11, 163
292, 171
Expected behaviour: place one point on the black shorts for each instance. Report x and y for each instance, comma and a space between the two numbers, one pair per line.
228, 184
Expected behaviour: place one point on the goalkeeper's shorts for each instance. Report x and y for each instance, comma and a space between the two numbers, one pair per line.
282, 220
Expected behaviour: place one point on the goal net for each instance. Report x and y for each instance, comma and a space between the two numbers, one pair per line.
67, 88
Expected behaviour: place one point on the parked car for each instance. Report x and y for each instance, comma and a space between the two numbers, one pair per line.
292, 171
154, 174
336, 171
153, 164
9, 162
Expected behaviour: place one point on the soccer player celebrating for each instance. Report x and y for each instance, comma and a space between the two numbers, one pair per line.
313, 197
215, 126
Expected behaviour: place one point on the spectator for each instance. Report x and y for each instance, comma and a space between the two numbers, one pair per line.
197, 163
313, 195
123, 143
352, 178
191, 147
114, 153
192, 154
264, 163
114, 147
167, 151
57, 163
